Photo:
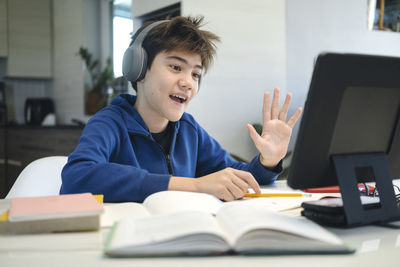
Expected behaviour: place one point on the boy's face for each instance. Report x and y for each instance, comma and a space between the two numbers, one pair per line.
170, 84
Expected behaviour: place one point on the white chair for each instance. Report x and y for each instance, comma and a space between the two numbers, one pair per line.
41, 177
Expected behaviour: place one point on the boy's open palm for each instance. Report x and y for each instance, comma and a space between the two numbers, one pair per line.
276, 131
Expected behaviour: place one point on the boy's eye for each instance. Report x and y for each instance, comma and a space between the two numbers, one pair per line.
196, 76
175, 67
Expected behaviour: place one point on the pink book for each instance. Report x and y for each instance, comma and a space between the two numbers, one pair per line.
53, 207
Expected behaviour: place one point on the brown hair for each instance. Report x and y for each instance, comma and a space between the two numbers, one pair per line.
179, 33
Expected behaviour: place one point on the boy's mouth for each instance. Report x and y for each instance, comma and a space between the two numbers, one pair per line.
178, 98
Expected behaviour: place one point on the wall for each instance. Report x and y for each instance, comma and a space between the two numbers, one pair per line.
68, 76
141, 7
250, 60
105, 29
3, 29
314, 26
77, 23
17, 89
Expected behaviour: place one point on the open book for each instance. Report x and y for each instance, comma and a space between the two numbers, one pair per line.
176, 223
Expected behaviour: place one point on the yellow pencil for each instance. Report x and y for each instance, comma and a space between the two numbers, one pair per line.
277, 195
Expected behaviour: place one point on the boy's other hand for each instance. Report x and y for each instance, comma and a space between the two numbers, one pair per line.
274, 139
227, 184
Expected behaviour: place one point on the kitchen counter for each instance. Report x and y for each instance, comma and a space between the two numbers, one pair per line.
22, 144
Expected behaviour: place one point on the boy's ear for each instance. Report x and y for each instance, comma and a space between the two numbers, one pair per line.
143, 78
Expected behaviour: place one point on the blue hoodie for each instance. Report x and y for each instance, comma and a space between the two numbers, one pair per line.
118, 157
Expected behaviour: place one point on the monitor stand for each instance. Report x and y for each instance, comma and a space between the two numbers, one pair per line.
345, 166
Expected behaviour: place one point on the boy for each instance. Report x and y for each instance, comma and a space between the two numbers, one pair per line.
143, 144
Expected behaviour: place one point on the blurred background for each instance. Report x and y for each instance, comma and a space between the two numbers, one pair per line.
60, 62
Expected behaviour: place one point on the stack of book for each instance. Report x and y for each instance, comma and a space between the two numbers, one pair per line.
45, 214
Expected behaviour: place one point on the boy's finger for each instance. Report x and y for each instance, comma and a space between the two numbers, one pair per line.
275, 104
235, 191
285, 107
241, 184
253, 133
226, 195
249, 179
265, 110
292, 121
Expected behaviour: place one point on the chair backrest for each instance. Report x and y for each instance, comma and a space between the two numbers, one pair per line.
41, 177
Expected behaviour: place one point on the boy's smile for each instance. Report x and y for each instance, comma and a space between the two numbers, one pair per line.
178, 98
169, 85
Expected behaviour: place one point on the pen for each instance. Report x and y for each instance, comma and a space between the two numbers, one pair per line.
277, 195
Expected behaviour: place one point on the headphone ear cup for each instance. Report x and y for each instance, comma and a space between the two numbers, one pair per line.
127, 64
134, 63
142, 65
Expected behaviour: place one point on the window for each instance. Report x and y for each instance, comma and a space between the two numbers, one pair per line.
122, 29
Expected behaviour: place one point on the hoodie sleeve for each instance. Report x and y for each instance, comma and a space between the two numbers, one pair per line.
212, 158
89, 168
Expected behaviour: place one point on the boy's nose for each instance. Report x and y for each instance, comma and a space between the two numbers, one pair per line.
186, 82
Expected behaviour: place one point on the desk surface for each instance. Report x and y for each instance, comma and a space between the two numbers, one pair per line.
375, 246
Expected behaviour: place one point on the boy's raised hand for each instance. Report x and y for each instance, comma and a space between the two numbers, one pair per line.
229, 184
276, 131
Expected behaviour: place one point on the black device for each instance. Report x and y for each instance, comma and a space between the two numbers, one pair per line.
350, 133
3, 105
36, 109
330, 211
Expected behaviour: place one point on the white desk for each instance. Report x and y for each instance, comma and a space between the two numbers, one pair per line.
376, 246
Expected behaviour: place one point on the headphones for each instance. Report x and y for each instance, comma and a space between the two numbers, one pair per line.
134, 63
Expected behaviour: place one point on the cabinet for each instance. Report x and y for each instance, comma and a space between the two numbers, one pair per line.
3, 28
2, 162
29, 38
23, 144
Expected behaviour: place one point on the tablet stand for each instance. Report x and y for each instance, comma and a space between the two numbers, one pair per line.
345, 166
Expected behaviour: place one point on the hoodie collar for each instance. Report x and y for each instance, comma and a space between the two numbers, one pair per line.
134, 122
132, 118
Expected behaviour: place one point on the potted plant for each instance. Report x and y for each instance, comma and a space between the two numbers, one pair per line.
96, 87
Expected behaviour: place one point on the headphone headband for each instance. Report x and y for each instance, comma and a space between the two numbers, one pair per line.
138, 41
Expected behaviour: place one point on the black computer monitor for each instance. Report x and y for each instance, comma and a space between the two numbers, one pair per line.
350, 133
352, 107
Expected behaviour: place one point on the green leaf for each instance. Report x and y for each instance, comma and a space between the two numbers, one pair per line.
99, 79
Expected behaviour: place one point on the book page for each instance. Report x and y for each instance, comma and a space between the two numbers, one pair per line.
281, 203
113, 212
242, 218
171, 233
165, 202
275, 203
